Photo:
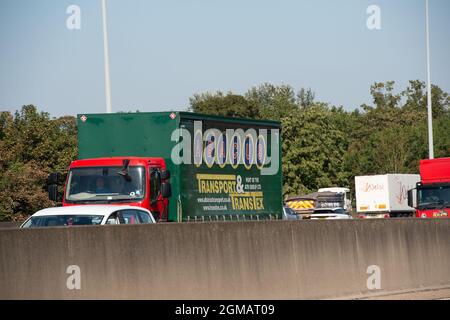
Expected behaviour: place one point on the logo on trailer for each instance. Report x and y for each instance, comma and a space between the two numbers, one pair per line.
249, 153
83, 118
236, 144
232, 147
210, 150
172, 115
198, 148
222, 150
260, 151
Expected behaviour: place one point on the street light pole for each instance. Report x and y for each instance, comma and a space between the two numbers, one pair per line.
106, 59
430, 114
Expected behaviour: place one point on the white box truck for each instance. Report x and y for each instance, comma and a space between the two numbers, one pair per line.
384, 196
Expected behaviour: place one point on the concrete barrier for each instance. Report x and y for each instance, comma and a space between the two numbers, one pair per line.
236, 260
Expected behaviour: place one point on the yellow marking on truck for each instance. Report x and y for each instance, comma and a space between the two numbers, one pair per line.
247, 201
381, 206
216, 186
301, 204
201, 176
364, 208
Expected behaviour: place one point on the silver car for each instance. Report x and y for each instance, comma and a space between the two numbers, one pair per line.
290, 214
330, 214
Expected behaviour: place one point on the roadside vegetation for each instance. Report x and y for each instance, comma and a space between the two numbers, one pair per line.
323, 145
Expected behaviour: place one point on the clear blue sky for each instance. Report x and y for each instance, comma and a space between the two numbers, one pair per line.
162, 52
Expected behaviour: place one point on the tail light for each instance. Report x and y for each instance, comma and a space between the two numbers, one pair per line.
386, 216
361, 216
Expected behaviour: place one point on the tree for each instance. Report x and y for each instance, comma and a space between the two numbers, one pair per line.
274, 102
442, 137
313, 147
383, 95
305, 98
326, 145
416, 96
229, 105
322, 145
31, 146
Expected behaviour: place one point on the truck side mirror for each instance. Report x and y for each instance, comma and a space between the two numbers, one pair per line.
411, 202
54, 177
53, 192
165, 174
166, 190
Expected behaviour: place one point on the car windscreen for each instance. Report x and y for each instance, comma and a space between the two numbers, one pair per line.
323, 211
335, 211
63, 220
105, 184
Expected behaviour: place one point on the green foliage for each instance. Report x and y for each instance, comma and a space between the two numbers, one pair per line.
313, 145
229, 105
31, 146
323, 146
327, 146
274, 102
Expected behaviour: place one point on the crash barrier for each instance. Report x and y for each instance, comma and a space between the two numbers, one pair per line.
228, 260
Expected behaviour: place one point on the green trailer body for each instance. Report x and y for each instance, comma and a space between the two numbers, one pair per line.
200, 192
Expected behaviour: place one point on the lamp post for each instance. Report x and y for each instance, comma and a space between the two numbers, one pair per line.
106, 59
430, 115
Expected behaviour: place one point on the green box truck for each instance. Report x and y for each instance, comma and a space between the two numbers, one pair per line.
181, 166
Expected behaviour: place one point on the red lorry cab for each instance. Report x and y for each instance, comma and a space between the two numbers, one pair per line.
433, 191
119, 180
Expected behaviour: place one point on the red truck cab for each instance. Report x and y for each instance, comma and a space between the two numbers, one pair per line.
432, 198
135, 181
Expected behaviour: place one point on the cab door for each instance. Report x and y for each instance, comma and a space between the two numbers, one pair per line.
158, 205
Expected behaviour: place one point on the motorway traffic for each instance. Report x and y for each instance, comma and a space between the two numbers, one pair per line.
187, 167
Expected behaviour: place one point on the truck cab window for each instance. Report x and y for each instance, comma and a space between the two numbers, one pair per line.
155, 184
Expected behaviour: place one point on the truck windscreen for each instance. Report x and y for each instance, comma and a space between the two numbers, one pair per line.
434, 197
105, 184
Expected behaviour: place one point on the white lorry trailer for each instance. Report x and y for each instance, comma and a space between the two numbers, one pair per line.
336, 197
384, 196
